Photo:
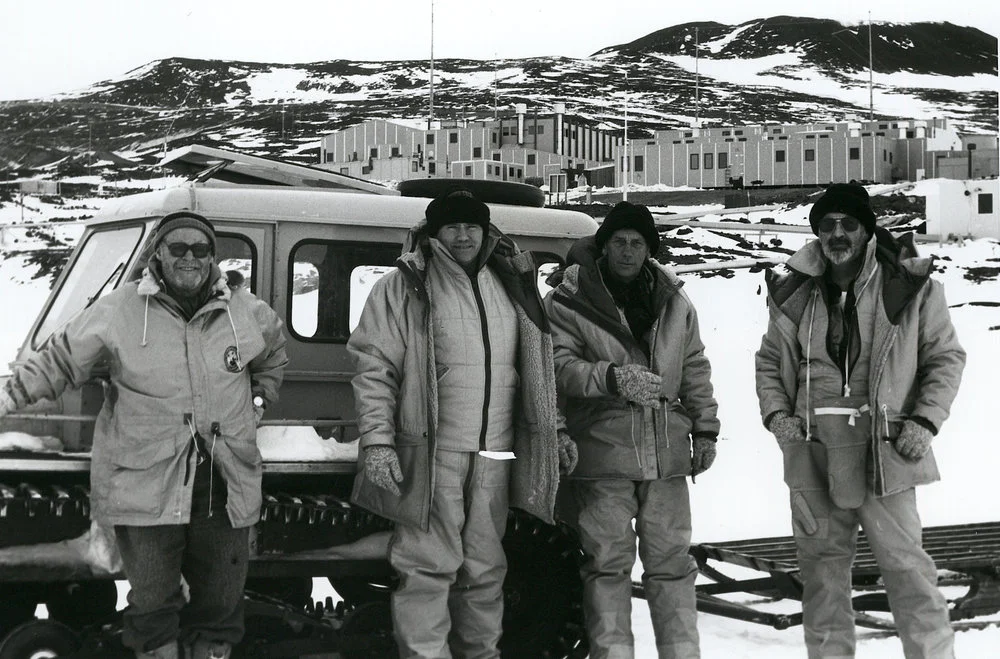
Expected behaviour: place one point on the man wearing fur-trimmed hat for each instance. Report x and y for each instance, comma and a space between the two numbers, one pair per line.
636, 387
456, 408
855, 375
175, 468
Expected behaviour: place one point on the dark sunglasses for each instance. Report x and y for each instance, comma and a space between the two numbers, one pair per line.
828, 224
199, 250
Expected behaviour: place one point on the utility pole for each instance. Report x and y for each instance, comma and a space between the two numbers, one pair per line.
430, 116
282, 120
90, 146
871, 97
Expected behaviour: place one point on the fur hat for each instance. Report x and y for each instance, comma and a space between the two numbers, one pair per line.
626, 215
458, 205
847, 198
180, 220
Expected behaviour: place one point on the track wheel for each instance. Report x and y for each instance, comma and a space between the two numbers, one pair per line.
295, 591
39, 639
82, 603
543, 593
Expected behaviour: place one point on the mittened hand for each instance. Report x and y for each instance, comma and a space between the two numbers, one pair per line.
787, 429
382, 468
638, 384
703, 453
914, 441
568, 455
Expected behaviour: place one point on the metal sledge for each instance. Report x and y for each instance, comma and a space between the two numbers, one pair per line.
965, 554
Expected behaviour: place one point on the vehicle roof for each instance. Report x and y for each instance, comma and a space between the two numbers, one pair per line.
269, 204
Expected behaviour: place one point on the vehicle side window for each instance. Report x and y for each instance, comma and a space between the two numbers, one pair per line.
548, 264
237, 258
329, 282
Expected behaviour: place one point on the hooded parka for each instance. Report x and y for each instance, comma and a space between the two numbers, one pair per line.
616, 438
169, 379
396, 384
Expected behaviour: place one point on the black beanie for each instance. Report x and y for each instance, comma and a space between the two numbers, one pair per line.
626, 215
848, 198
456, 206
180, 220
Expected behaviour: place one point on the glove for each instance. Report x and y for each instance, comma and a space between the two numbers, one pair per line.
7, 404
914, 440
703, 453
787, 429
568, 455
382, 468
638, 384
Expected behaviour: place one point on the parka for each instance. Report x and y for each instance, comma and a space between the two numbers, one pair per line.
170, 380
916, 360
395, 385
616, 438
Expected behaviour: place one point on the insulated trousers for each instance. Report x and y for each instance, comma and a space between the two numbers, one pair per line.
826, 538
449, 602
212, 557
662, 513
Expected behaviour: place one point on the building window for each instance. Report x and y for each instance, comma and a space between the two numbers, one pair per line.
506, 130
413, 166
531, 159
985, 203
855, 153
741, 139
880, 134
468, 170
688, 134
910, 134
677, 141
885, 155
520, 173
688, 141
477, 152
737, 132
328, 284
868, 134
810, 155
883, 126
496, 156
432, 168
810, 137
639, 164
729, 139
374, 152
510, 172
493, 137
345, 170
430, 139
329, 157
452, 138
723, 160
779, 155
395, 152
971, 147
709, 159
890, 157
783, 137
540, 130
694, 161
531, 130
776, 131
824, 137
726, 132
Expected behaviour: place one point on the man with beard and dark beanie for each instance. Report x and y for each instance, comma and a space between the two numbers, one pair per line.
855, 375
175, 467
636, 387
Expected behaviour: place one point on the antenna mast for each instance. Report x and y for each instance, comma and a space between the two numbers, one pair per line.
871, 97
430, 117
697, 82
626, 169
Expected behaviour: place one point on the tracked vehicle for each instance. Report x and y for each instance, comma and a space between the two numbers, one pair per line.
313, 255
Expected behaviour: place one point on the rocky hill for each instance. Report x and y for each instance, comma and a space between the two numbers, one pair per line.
780, 69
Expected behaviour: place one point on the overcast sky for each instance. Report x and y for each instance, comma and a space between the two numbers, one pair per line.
50, 46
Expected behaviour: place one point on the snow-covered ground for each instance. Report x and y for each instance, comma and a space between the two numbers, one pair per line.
743, 495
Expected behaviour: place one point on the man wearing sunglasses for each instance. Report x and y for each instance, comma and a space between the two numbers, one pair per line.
175, 467
855, 375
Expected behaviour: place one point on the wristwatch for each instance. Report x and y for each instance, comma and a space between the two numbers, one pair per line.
258, 401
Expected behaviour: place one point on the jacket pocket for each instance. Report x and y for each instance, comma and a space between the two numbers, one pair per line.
805, 466
139, 469
843, 425
243, 478
675, 452
894, 473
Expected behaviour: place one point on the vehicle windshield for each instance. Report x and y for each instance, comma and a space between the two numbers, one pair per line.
94, 273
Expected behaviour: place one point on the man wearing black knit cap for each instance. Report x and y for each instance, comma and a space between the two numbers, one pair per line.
457, 414
638, 399
855, 375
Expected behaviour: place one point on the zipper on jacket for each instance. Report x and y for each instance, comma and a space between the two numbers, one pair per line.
876, 382
487, 358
